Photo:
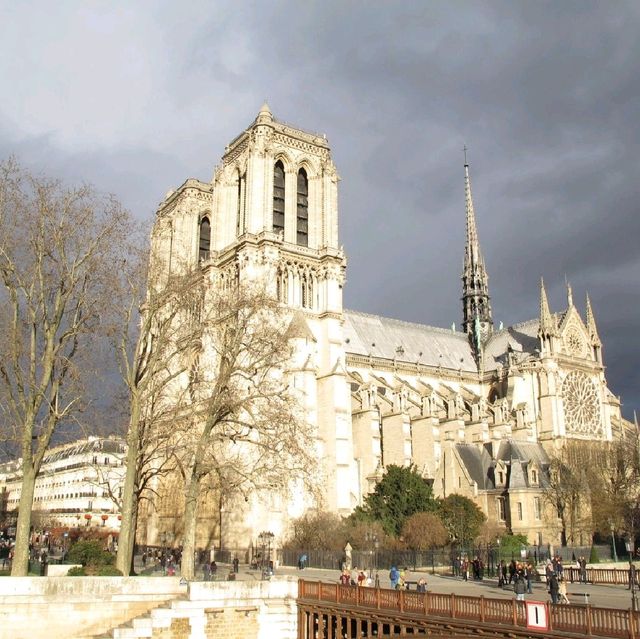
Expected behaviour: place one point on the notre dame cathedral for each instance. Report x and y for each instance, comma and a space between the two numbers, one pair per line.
477, 411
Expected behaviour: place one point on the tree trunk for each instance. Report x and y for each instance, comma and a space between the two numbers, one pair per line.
126, 539
20, 565
187, 567
132, 539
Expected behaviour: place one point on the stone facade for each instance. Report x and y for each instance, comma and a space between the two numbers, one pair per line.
74, 487
477, 410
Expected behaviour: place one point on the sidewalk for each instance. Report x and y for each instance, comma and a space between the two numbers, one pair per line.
605, 596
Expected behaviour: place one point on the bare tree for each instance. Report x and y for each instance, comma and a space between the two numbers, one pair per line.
567, 491
613, 473
58, 249
154, 353
243, 422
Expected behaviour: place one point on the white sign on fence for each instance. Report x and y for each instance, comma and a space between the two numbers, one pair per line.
537, 615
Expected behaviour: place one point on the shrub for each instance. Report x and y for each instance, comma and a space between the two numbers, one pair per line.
76, 571
108, 571
89, 553
593, 556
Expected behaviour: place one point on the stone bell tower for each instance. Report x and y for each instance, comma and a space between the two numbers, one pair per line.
270, 214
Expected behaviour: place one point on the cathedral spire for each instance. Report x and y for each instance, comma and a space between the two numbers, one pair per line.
476, 309
591, 325
264, 115
569, 295
547, 321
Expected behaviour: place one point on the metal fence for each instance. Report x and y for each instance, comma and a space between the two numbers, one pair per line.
438, 560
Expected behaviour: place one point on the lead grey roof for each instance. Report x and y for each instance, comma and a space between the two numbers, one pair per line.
523, 451
520, 454
479, 465
408, 342
522, 338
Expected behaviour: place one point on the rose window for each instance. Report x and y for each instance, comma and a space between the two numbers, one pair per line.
581, 404
575, 343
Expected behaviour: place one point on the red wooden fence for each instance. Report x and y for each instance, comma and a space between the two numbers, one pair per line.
587, 620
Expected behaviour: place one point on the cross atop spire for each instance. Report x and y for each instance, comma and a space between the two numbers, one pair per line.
477, 318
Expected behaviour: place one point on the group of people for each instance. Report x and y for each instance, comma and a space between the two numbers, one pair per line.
360, 579
397, 579
167, 559
520, 574
6, 553
466, 568
556, 582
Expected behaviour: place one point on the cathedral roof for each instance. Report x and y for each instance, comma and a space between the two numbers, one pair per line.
394, 339
478, 464
518, 455
514, 449
522, 338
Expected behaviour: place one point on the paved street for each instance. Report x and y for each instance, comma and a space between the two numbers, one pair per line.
599, 595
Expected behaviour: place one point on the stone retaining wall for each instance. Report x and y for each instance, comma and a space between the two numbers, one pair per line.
224, 610
77, 607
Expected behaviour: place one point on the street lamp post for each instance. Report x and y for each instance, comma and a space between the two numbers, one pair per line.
376, 545
265, 539
613, 541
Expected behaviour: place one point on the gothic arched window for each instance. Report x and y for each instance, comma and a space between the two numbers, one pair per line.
204, 239
240, 205
282, 288
278, 197
302, 209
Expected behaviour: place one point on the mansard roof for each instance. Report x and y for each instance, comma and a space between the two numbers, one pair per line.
408, 342
478, 464
517, 455
518, 450
520, 455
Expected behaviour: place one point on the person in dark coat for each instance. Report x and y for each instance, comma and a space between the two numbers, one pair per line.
554, 588
520, 586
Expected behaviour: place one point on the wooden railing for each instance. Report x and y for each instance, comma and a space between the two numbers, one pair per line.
598, 575
587, 620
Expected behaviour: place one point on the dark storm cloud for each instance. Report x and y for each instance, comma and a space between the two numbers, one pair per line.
545, 94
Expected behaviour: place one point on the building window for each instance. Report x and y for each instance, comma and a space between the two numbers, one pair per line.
282, 288
534, 476
536, 507
501, 509
519, 511
205, 239
278, 198
500, 477
302, 209
240, 206
307, 291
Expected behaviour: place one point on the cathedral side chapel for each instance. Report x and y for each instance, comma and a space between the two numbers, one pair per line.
477, 410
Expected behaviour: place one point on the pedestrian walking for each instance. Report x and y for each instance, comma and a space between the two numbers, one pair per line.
554, 588
520, 587
394, 576
562, 591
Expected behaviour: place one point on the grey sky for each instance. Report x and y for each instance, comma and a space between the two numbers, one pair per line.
546, 95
